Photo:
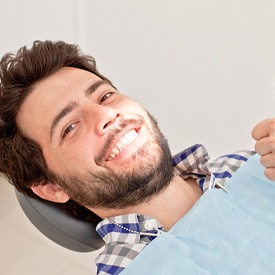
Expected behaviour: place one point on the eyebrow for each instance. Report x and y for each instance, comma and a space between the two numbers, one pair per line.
95, 86
73, 105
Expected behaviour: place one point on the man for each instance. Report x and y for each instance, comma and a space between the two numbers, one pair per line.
69, 137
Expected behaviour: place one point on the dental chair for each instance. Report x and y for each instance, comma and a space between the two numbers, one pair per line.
79, 236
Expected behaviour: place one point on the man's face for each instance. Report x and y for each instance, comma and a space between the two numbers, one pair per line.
94, 139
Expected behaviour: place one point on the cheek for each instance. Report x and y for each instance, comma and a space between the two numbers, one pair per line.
132, 107
78, 158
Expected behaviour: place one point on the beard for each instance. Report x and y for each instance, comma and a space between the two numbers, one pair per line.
116, 187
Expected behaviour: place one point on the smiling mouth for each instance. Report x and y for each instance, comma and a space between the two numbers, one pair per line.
127, 139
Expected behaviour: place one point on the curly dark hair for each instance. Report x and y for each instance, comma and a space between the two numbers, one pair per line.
21, 159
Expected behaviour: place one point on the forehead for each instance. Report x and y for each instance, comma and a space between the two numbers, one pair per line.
49, 96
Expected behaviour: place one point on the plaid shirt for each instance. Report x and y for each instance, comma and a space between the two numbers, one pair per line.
123, 246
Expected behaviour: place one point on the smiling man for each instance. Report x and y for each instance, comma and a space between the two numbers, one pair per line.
89, 135
69, 137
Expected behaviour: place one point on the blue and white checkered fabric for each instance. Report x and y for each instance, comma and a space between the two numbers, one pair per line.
123, 246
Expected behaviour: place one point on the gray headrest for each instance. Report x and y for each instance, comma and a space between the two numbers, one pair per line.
64, 230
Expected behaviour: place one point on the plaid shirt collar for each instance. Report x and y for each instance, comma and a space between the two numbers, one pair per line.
116, 229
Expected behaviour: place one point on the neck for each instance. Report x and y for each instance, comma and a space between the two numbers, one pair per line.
167, 207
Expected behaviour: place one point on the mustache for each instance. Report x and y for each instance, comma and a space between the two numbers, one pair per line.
113, 135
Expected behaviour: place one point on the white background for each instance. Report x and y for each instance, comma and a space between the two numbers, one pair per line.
205, 69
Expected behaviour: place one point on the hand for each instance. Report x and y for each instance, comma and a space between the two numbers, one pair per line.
264, 134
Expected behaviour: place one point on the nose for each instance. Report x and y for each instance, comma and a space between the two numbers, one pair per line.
105, 118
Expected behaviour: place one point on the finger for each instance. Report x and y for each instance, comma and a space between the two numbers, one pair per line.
265, 145
268, 161
263, 129
270, 173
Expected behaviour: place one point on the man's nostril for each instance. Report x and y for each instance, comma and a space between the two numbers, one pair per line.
104, 127
110, 122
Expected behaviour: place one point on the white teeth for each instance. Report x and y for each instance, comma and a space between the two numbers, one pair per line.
122, 143
115, 151
119, 146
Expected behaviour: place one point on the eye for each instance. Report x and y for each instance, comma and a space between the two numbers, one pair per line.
106, 96
68, 130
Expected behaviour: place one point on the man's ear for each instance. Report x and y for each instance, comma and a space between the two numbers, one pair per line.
50, 192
